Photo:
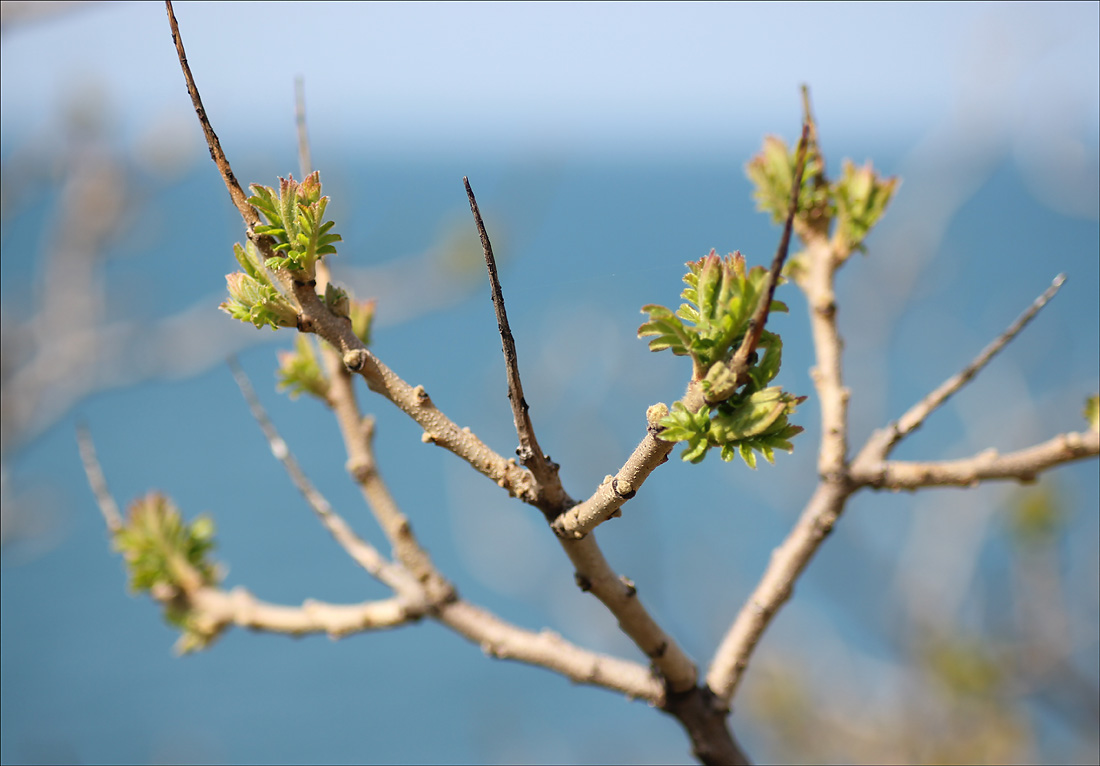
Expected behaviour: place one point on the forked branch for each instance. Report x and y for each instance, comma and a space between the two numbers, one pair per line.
882, 443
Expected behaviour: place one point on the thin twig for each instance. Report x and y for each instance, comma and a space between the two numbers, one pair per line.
880, 445
305, 163
529, 452
98, 482
240, 199
362, 552
740, 361
358, 435
546, 649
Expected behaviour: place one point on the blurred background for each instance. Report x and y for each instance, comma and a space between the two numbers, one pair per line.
606, 144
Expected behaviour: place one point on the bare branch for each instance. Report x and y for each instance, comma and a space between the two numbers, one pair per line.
821, 513
547, 649
94, 471
530, 454
775, 588
619, 595
362, 552
214, 609
615, 490
305, 163
240, 199
358, 435
882, 442
1022, 465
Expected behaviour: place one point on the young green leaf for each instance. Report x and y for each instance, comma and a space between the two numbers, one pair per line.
257, 301
295, 221
161, 549
300, 371
772, 173
362, 318
861, 198
720, 298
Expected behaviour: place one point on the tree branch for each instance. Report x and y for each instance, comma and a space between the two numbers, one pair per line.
740, 362
240, 199
98, 482
358, 434
314, 317
305, 163
1022, 465
882, 442
362, 552
215, 609
530, 454
547, 649
825, 506
606, 502
775, 588
595, 575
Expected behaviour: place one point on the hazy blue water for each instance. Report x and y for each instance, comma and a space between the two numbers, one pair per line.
87, 671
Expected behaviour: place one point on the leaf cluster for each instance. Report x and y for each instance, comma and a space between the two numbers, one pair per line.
296, 221
746, 423
854, 203
720, 298
300, 370
253, 297
169, 557
161, 549
741, 414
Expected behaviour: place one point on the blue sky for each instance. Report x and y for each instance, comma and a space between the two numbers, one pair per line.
605, 77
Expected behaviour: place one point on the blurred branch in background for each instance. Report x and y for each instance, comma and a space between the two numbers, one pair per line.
72, 324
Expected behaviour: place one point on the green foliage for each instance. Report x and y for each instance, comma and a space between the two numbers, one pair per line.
855, 202
740, 426
772, 173
1092, 412
296, 222
362, 319
160, 549
1036, 517
337, 301
170, 558
300, 370
721, 298
861, 198
965, 667
253, 296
